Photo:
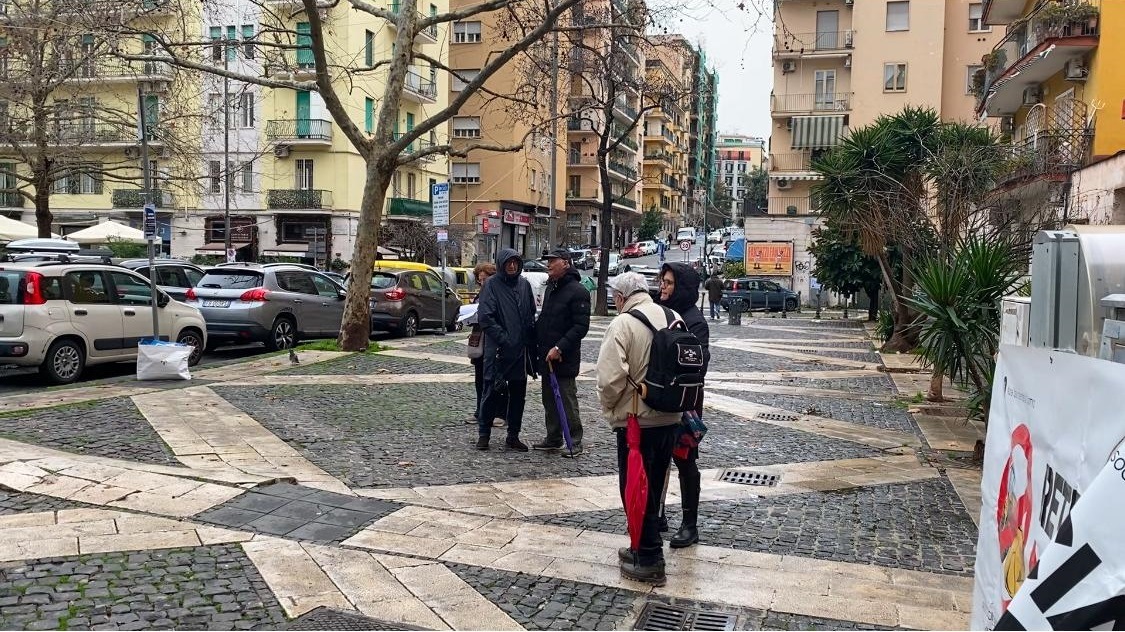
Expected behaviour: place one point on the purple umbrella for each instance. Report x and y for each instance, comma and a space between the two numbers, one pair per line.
559, 406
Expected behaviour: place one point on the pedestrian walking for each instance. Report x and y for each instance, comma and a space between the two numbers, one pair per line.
507, 316
481, 273
562, 325
714, 287
623, 362
679, 285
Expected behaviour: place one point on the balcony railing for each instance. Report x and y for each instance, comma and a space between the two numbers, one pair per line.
626, 202
1076, 20
818, 42
791, 161
429, 32
11, 199
419, 85
135, 198
660, 156
595, 194
418, 144
298, 198
816, 102
802, 205
1050, 152
623, 169
299, 129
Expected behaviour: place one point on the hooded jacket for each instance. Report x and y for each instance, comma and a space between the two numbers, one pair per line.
563, 323
683, 301
507, 316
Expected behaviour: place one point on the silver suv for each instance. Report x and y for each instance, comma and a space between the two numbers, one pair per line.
62, 317
273, 304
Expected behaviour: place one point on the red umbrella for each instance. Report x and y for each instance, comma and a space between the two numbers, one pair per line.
636, 479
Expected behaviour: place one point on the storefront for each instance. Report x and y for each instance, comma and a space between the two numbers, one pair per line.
514, 234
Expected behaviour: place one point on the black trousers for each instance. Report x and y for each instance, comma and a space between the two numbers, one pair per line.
478, 383
568, 388
656, 451
689, 480
507, 406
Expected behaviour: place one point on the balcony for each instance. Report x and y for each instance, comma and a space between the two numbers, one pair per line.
79, 135
300, 132
624, 111
659, 156
419, 89
1002, 11
579, 125
135, 198
11, 199
626, 202
1036, 50
428, 34
586, 194
298, 199
418, 144
1050, 154
800, 205
784, 105
817, 44
110, 71
293, 64
619, 168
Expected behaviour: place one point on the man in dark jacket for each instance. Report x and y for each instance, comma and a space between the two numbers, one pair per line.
507, 316
679, 291
562, 325
714, 287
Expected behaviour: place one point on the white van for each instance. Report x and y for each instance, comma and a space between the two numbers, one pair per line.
685, 234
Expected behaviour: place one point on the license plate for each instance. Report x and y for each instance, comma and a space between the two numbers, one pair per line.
216, 303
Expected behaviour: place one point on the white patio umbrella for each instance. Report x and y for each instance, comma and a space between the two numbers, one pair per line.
11, 230
103, 232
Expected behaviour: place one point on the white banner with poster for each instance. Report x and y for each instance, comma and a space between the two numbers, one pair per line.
1051, 549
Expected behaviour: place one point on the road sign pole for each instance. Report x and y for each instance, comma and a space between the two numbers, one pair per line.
150, 235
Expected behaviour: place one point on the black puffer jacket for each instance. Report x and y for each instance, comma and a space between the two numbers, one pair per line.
684, 299
507, 316
563, 323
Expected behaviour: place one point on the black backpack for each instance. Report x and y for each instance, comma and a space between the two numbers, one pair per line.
675, 366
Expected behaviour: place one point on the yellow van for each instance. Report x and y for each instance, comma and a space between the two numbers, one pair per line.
452, 278
465, 284
395, 264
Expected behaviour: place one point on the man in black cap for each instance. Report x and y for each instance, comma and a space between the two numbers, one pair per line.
562, 325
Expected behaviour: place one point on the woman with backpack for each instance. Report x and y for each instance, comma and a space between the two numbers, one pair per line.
679, 291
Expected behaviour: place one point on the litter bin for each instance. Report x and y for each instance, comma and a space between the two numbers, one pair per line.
734, 312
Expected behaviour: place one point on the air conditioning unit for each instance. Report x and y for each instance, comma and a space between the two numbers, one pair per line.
281, 151
849, 39
132, 152
788, 66
848, 61
1032, 95
1076, 70
783, 183
849, 3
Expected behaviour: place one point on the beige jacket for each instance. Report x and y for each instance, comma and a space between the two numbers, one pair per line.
624, 353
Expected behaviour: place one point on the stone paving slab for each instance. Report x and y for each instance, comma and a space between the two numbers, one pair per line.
111, 428
868, 413
25, 503
950, 433
51, 398
363, 363
201, 587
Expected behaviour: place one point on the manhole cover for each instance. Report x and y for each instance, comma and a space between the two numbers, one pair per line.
778, 416
326, 619
659, 616
743, 477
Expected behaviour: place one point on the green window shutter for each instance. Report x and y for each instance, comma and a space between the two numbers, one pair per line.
304, 46
87, 39
247, 31
232, 36
368, 48
369, 114
409, 121
216, 32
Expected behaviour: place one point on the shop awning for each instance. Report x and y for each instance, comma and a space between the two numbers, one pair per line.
218, 248
406, 207
790, 175
817, 132
286, 250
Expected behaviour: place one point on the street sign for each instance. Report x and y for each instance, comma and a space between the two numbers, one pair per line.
685, 245
439, 191
150, 220
443, 235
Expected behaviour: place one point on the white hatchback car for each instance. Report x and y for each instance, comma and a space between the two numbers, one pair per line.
62, 317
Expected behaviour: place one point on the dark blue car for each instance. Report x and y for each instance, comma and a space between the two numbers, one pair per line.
758, 294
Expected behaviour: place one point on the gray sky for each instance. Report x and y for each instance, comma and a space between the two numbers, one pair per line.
738, 45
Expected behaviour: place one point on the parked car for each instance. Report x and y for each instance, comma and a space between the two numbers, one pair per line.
614, 263
652, 276
337, 277
63, 317
272, 304
173, 277
534, 265
758, 294
582, 259
648, 247
686, 234
405, 301
632, 250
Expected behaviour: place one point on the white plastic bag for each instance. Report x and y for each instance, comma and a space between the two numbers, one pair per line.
159, 360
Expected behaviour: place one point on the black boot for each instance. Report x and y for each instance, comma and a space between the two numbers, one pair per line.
625, 554
663, 523
688, 533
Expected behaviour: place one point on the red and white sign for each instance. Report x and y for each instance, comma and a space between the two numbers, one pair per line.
517, 218
685, 245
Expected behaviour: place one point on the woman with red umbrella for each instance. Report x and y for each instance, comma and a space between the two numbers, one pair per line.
645, 437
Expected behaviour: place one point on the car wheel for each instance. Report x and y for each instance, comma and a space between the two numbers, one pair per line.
790, 305
195, 339
409, 326
283, 335
64, 362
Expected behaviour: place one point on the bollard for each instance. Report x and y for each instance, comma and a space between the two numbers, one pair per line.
734, 312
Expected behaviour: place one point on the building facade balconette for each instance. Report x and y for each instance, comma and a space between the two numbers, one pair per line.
298, 199
418, 88
1049, 154
135, 198
299, 130
793, 205
787, 104
428, 34
820, 43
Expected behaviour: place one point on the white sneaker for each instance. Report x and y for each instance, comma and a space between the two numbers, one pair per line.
499, 423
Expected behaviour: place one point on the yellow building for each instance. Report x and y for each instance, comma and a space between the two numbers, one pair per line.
666, 134
738, 157
1053, 83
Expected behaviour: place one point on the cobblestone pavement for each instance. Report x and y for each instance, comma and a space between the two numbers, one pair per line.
110, 428
200, 588
457, 538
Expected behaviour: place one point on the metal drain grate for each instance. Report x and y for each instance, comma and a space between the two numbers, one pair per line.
323, 618
778, 416
660, 616
743, 477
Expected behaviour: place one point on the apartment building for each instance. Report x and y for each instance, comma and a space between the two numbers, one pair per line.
1052, 83
701, 149
511, 190
839, 64
738, 157
666, 134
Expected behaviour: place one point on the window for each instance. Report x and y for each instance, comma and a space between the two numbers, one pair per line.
248, 41
466, 32
86, 288
369, 114
729, 167
729, 181
533, 179
466, 127
304, 172
246, 170
573, 185
894, 77
231, 45
368, 48
411, 185
976, 18
970, 72
465, 172
215, 171
215, 110
304, 46
299, 282
898, 16
461, 78
246, 109
79, 179
217, 47
131, 290
300, 231
324, 287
